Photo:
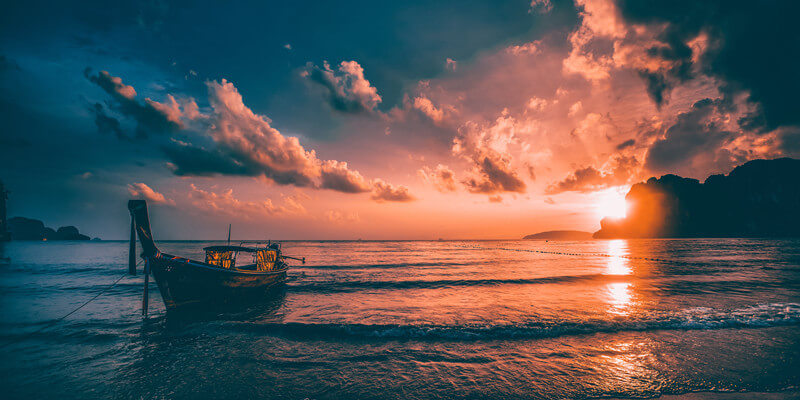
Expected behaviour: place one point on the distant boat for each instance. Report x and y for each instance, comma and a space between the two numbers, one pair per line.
218, 280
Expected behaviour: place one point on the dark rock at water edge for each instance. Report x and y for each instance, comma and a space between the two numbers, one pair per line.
69, 233
22, 228
561, 235
760, 198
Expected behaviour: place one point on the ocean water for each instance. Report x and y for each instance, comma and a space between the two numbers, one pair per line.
441, 319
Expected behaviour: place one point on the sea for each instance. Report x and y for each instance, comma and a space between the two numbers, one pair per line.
705, 318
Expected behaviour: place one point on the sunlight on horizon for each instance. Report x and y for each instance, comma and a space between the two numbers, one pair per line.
611, 203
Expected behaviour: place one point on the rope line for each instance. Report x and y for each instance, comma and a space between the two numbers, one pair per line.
663, 260
57, 320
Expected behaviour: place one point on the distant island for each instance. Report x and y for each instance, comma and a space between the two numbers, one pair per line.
760, 198
32, 229
561, 235
21, 228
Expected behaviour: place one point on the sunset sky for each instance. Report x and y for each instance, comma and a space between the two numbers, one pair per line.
382, 120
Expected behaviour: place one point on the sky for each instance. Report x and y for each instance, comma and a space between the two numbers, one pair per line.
382, 120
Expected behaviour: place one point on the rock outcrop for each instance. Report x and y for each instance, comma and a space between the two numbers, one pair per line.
760, 198
32, 229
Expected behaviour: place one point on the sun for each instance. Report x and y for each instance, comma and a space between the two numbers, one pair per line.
611, 203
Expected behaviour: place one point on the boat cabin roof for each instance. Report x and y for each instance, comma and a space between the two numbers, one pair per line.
230, 248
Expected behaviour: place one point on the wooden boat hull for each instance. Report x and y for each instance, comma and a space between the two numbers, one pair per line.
184, 283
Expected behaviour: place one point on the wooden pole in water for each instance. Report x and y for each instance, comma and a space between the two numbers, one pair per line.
229, 234
145, 297
132, 251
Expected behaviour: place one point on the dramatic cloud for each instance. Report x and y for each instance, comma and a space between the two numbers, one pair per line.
382, 191
621, 170
189, 160
487, 149
495, 176
426, 107
142, 191
421, 106
749, 47
151, 116
604, 42
346, 88
105, 123
225, 203
527, 48
541, 6
697, 141
442, 178
336, 176
522, 103
249, 140
241, 141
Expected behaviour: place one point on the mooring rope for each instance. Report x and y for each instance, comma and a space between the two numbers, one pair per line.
57, 320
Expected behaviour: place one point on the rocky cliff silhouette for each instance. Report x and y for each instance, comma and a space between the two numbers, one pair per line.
32, 229
760, 198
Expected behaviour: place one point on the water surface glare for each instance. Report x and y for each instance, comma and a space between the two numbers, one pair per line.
416, 319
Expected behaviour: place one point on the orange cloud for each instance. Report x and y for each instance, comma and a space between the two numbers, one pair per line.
337, 176
225, 203
487, 149
588, 179
442, 178
244, 143
382, 192
142, 191
346, 88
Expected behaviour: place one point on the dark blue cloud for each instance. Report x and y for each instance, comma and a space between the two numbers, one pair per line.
753, 47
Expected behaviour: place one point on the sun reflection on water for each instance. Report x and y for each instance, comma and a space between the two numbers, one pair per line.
619, 293
627, 364
617, 263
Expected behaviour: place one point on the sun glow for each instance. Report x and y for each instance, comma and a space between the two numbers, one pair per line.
611, 203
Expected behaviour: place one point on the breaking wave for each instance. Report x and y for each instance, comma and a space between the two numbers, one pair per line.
349, 286
759, 316
387, 265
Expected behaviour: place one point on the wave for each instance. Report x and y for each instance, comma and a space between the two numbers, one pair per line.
60, 269
389, 265
349, 286
759, 316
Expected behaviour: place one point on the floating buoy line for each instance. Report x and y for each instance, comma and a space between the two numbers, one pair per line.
563, 253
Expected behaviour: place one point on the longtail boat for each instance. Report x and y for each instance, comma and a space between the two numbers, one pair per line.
217, 280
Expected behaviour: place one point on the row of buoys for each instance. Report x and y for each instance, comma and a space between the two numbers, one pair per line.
579, 254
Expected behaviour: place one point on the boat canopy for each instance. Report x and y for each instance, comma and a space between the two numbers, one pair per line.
229, 248
224, 259
264, 259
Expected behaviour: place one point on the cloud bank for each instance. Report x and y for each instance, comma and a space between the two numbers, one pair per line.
230, 139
